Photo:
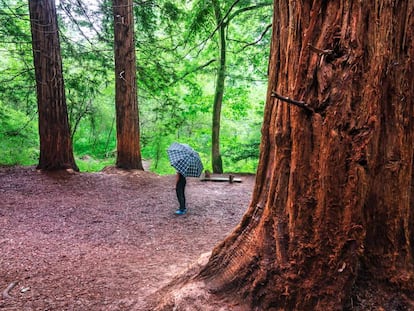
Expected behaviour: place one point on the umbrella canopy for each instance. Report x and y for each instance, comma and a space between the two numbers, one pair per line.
185, 160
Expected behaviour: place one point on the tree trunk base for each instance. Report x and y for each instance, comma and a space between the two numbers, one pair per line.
187, 292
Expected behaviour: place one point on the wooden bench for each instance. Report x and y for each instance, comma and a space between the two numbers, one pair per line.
230, 179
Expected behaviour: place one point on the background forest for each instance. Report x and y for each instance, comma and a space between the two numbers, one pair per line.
178, 58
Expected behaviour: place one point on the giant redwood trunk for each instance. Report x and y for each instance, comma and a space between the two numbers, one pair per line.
126, 102
56, 150
333, 202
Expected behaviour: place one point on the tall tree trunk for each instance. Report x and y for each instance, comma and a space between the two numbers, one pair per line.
218, 94
56, 150
127, 122
333, 202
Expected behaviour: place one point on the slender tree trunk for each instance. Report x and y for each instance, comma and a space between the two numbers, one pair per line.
56, 150
333, 201
218, 95
127, 122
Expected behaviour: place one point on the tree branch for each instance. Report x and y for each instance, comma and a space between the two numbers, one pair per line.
195, 69
250, 8
74, 20
227, 18
202, 43
11, 78
91, 23
258, 40
297, 103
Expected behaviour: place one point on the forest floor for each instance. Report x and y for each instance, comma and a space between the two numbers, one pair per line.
107, 240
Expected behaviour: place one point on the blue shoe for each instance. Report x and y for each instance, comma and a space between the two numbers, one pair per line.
180, 211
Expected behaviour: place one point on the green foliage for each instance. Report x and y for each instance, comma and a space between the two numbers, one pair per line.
89, 164
171, 12
18, 122
96, 134
176, 65
17, 82
18, 138
201, 20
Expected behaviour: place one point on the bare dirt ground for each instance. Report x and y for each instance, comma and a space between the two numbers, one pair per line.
104, 241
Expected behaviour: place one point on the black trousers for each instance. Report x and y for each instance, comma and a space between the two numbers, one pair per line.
180, 190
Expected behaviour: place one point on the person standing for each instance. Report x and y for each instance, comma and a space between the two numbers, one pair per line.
180, 191
187, 163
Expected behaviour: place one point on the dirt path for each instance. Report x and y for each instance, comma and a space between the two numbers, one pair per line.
104, 241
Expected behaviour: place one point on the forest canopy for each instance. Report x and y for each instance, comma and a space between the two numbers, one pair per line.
177, 50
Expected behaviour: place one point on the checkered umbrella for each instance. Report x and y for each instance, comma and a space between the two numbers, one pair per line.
185, 160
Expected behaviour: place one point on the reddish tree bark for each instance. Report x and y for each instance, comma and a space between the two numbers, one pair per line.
127, 120
56, 150
333, 201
